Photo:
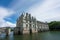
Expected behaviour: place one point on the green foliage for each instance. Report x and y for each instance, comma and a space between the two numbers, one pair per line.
54, 25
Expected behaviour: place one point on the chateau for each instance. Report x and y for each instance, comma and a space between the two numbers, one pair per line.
27, 24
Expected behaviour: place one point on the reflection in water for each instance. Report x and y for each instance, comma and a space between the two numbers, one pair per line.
37, 36
2, 36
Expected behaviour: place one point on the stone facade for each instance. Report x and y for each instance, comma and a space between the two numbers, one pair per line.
42, 26
28, 24
5, 30
2, 30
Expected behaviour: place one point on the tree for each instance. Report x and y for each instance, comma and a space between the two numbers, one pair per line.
54, 25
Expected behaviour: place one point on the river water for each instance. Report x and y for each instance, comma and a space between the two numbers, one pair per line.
53, 35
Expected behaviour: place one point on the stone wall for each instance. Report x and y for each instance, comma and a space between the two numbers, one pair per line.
28, 24
42, 26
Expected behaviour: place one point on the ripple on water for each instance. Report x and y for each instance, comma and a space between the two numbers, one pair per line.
39, 36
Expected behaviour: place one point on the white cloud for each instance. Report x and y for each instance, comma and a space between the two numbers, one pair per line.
8, 24
17, 5
4, 13
4, 23
46, 11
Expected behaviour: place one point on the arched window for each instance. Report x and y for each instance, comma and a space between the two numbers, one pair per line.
26, 26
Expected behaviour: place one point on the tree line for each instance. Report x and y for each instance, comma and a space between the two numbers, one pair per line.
54, 25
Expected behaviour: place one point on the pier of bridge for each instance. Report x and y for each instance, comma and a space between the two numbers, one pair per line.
5, 30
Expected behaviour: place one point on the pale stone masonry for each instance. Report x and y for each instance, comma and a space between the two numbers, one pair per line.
42, 26
28, 24
2, 30
5, 30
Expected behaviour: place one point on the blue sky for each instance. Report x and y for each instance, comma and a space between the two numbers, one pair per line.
43, 10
